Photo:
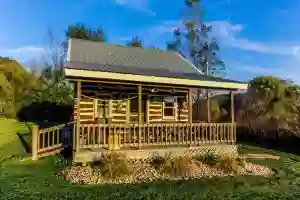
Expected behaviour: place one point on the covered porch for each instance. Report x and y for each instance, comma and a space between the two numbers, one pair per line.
143, 126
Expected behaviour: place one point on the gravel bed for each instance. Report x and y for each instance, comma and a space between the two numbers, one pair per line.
147, 173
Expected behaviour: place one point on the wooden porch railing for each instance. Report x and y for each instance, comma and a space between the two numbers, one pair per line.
115, 136
50, 141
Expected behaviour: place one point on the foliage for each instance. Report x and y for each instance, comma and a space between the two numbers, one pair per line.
270, 103
215, 112
194, 42
175, 165
17, 85
230, 164
209, 158
56, 89
80, 31
135, 42
113, 165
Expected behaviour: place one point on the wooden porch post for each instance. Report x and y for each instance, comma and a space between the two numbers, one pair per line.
140, 112
147, 110
128, 111
190, 105
208, 106
77, 133
35, 141
190, 115
232, 117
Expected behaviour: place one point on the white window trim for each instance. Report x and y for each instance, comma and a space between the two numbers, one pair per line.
174, 117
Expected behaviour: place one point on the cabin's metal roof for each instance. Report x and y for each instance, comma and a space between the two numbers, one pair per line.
103, 57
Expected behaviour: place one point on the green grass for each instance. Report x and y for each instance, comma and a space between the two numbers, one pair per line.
21, 178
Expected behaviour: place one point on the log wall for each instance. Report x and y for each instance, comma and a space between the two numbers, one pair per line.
119, 111
91, 109
87, 110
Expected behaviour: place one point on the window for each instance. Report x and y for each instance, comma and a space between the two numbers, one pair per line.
169, 109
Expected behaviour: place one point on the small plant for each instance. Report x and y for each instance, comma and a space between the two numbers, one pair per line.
177, 166
231, 164
113, 165
240, 161
158, 162
209, 158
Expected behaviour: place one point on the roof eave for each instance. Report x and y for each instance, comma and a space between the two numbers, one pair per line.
153, 79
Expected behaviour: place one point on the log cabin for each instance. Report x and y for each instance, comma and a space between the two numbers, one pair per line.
135, 98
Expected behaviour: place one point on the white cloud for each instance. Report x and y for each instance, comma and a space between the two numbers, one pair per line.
23, 53
141, 5
26, 49
285, 70
228, 34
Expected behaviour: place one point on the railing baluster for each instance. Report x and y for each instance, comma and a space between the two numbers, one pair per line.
179, 133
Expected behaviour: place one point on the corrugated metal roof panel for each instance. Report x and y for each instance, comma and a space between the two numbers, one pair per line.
98, 56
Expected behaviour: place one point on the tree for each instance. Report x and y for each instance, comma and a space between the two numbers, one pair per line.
135, 42
17, 85
194, 43
55, 87
80, 31
270, 103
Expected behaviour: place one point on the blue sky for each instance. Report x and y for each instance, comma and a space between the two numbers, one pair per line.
257, 37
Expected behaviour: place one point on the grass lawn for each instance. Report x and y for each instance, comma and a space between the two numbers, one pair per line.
21, 178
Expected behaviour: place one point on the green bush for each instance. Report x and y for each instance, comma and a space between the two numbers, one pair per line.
113, 165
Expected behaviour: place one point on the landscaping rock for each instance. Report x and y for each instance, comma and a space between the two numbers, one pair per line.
147, 173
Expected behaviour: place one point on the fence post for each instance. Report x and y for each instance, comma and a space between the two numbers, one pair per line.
35, 141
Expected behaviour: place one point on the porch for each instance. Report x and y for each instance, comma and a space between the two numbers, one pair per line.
140, 141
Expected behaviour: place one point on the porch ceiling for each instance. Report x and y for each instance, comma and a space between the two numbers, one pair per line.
119, 91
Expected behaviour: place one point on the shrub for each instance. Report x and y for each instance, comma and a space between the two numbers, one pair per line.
113, 165
177, 165
231, 164
158, 162
209, 158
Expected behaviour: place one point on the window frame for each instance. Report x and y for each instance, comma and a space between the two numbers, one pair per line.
174, 117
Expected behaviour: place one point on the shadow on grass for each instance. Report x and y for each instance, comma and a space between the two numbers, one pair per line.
24, 141
281, 140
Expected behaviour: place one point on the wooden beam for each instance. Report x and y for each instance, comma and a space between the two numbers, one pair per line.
154, 79
147, 110
143, 84
110, 107
208, 106
232, 107
35, 141
128, 111
233, 131
78, 116
190, 105
140, 111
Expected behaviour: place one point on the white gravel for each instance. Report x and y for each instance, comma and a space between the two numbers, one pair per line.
146, 173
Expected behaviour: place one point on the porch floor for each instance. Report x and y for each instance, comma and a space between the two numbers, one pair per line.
90, 155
